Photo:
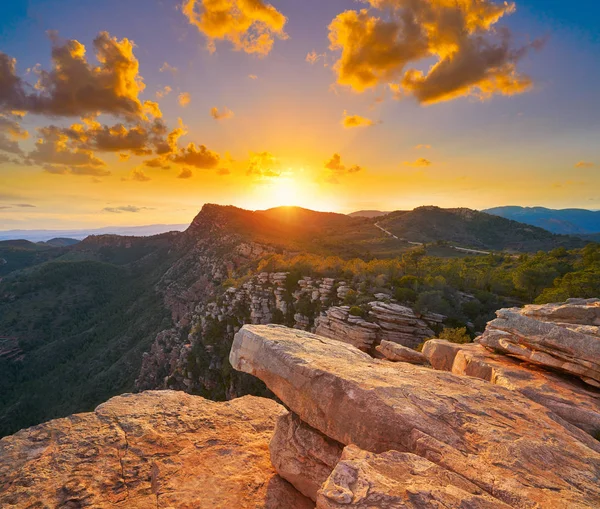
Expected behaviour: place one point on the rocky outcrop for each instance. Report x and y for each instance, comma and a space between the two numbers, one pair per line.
386, 322
302, 455
564, 337
512, 449
393, 479
566, 396
156, 449
398, 353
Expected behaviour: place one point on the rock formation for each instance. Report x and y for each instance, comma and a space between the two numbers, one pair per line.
155, 449
564, 337
398, 353
485, 440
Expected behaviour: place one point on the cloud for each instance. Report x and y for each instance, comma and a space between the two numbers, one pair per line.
419, 163
263, 165
124, 157
163, 92
137, 175
249, 25
337, 169
74, 87
186, 173
24, 205
197, 156
420, 147
584, 164
125, 208
168, 68
223, 171
313, 57
184, 99
10, 132
80, 171
3, 157
221, 115
351, 121
471, 56
253, 76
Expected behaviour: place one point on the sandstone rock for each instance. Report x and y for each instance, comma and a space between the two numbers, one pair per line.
155, 449
336, 323
545, 343
565, 396
574, 311
393, 479
509, 446
398, 353
302, 455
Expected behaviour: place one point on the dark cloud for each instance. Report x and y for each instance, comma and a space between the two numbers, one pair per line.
197, 156
186, 173
73, 87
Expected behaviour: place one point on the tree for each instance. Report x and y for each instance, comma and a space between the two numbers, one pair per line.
532, 278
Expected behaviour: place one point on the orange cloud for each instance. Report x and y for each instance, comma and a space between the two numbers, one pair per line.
420, 147
263, 165
253, 76
74, 87
584, 164
313, 57
197, 156
249, 25
184, 99
472, 58
163, 92
168, 68
337, 169
419, 163
186, 173
225, 114
351, 121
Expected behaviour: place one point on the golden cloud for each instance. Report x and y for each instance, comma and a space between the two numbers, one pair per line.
313, 57
197, 156
263, 165
253, 76
472, 57
74, 87
351, 121
166, 67
163, 92
337, 169
249, 25
184, 99
420, 147
584, 164
10, 132
224, 114
419, 163
186, 173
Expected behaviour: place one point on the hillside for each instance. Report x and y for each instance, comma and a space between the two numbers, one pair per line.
368, 213
82, 323
566, 221
472, 229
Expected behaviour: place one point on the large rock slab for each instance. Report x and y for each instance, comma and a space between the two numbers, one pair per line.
509, 446
391, 480
545, 343
155, 449
573, 312
398, 353
302, 455
566, 396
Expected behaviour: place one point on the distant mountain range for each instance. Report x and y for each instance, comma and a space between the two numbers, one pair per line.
80, 234
566, 221
368, 213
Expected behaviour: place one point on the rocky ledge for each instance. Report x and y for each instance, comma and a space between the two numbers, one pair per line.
150, 450
411, 436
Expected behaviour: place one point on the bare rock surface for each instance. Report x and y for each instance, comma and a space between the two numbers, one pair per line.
523, 334
398, 353
566, 396
393, 479
155, 449
302, 455
514, 449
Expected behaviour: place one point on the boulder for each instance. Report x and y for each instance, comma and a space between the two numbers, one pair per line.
510, 447
155, 449
566, 396
302, 455
393, 479
398, 353
545, 343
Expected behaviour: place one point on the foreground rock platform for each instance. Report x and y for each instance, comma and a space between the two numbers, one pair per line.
514, 450
150, 450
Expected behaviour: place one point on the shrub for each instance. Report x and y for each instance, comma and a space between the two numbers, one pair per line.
458, 335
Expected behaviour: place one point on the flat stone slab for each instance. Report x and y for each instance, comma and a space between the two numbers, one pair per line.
155, 449
512, 448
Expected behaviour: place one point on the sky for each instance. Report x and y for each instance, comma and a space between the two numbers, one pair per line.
140, 111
